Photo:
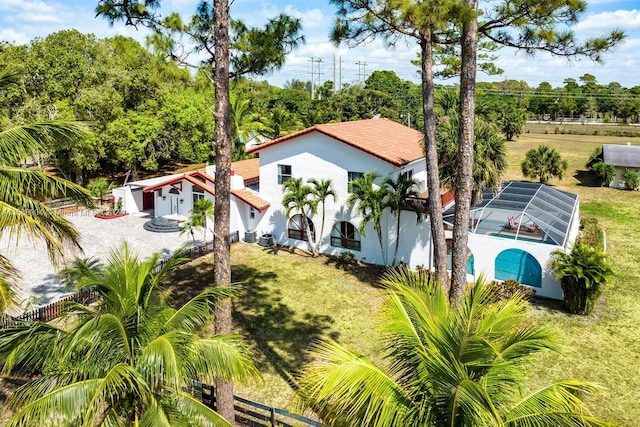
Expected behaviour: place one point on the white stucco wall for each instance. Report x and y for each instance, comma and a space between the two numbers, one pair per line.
486, 248
317, 156
618, 180
131, 200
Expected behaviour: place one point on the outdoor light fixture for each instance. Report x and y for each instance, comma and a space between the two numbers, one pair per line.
181, 200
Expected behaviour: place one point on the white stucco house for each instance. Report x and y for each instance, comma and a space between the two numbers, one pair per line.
622, 157
170, 199
512, 233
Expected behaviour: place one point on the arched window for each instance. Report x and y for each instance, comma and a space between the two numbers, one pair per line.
297, 230
345, 235
174, 191
518, 265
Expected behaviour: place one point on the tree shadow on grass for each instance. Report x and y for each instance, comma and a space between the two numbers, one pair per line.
281, 336
189, 280
367, 273
587, 179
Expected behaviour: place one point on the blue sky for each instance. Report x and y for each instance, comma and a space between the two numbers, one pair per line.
22, 20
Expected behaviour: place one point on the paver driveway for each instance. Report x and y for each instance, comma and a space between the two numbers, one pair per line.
98, 237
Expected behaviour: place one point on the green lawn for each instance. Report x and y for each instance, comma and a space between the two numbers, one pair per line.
289, 300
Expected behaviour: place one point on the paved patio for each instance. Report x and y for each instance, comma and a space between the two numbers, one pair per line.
98, 236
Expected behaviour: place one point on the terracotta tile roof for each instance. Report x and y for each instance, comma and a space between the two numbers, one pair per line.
248, 169
252, 199
189, 176
245, 195
382, 138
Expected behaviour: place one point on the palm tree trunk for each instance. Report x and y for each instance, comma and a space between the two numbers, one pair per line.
431, 156
221, 242
319, 241
384, 257
395, 251
307, 229
464, 176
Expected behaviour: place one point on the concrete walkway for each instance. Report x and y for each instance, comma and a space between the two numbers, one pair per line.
40, 281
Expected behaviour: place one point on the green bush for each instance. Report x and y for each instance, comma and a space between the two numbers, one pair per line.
508, 288
604, 172
592, 234
631, 179
582, 274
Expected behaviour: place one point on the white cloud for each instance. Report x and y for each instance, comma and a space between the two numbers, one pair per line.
311, 19
624, 19
12, 36
31, 11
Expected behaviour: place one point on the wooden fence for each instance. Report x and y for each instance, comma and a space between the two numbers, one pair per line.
252, 414
49, 312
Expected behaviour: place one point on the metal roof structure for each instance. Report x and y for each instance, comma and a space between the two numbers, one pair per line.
524, 211
627, 156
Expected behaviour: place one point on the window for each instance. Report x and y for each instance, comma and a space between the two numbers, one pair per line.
198, 193
352, 176
345, 235
408, 174
284, 173
296, 229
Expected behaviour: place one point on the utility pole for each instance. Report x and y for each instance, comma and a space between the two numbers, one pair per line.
364, 70
313, 61
312, 81
337, 84
319, 61
340, 72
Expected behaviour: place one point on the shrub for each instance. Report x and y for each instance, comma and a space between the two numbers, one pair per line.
592, 234
582, 274
508, 288
604, 172
631, 179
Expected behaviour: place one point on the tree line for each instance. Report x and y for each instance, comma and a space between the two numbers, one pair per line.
147, 112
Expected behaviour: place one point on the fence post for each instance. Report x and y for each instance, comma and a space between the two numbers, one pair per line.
273, 416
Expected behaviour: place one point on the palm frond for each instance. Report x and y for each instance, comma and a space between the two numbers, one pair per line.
24, 142
556, 405
221, 357
197, 311
345, 387
198, 412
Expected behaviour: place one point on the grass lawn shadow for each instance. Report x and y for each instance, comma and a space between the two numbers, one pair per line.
587, 179
280, 335
367, 273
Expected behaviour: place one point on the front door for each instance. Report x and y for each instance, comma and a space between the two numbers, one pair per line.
174, 196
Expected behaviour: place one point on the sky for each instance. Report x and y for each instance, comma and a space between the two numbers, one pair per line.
23, 20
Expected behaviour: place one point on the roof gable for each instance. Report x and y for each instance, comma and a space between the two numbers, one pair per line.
390, 141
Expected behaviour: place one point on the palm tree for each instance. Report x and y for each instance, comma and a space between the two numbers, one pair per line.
544, 163
298, 197
280, 122
489, 160
126, 360
203, 210
582, 274
245, 124
322, 189
23, 191
370, 203
398, 192
453, 366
